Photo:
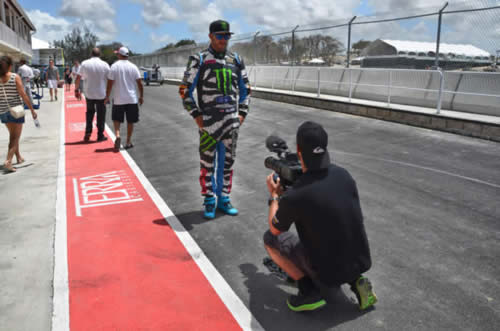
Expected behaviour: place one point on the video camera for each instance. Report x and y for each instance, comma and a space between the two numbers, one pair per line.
287, 165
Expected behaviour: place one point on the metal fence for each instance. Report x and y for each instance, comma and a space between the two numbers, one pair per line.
339, 43
473, 92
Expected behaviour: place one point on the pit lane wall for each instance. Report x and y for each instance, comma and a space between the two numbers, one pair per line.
410, 98
469, 92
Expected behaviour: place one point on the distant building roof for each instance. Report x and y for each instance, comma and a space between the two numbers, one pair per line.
39, 44
24, 16
420, 46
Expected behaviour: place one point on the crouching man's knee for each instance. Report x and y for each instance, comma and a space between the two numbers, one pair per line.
270, 240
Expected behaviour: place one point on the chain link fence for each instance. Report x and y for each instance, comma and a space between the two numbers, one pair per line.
343, 60
350, 42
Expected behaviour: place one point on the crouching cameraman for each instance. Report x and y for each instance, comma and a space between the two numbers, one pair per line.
332, 248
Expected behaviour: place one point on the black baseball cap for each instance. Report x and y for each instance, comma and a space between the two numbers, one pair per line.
220, 27
312, 140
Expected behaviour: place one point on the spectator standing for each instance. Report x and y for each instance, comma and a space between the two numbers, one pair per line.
67, 78
95, 71
11, 92
124, 79
74, 74
52, 78
26, 74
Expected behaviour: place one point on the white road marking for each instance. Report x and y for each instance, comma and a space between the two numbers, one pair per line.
412, 165
60, 312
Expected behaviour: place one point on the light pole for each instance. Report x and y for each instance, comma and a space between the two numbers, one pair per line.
293, 44
255, 48
436, 62
349, 42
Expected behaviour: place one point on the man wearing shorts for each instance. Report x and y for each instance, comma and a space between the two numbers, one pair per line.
332, 247
124, 79
52, 79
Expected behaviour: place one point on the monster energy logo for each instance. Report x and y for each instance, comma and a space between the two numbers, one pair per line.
223, 25
206, 141
226, 80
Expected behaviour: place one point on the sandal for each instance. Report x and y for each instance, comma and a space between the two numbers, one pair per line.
8, 167
127, 146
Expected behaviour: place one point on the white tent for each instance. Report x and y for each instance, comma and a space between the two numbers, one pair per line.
39, 44
316, 61
426, 47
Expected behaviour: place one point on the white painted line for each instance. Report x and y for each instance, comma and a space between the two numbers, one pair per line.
110, 203
78, 209
412, 165
60, 310
240, 312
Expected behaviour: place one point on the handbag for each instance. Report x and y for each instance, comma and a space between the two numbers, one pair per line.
16, 111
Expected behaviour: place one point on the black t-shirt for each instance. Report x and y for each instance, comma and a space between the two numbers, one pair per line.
324, 205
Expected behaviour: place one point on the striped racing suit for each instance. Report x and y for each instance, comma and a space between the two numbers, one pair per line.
223, 93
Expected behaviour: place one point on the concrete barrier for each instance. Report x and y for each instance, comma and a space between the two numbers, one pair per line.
473, 127
407, 87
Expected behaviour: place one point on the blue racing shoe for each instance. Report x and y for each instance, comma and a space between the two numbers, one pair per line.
224, 204
209, 204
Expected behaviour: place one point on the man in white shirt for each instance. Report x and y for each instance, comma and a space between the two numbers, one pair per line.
26, 74
95, 71
74, 74
125, 79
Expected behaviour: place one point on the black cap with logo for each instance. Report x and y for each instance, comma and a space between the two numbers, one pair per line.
312, 140
220, 27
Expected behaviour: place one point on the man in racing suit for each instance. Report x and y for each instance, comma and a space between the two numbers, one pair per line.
223, 93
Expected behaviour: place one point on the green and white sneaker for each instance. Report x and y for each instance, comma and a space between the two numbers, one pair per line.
364, 292
301, 302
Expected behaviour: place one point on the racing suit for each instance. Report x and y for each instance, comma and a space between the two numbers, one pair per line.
223, 93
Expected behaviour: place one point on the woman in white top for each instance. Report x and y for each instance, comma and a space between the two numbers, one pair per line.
11, 92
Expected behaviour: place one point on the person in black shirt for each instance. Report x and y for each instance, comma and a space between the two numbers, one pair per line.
331, 248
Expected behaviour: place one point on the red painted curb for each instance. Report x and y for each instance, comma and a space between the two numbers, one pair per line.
127, 270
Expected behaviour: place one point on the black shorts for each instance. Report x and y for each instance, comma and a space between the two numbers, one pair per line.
290, 247
131, 110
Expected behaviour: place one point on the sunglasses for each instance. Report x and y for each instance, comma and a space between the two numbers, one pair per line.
223, 36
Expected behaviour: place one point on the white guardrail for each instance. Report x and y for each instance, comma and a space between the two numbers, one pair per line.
475, 92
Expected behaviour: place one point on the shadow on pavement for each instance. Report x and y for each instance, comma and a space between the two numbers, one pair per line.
16, 166
105, 150
267, 303
81, 142
191, 218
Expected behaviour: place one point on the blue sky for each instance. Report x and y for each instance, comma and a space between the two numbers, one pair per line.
134, 30
146, 25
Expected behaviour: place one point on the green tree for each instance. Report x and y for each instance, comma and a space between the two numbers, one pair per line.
108, 52
361, 44
185, 42
77, 44
180, 43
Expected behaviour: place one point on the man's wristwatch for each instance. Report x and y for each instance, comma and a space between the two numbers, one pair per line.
271, 199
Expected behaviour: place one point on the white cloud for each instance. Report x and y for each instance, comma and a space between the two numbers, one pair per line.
198, 14
48, 27
157, 12
161, 40
279, 15
98, 15
136, 27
